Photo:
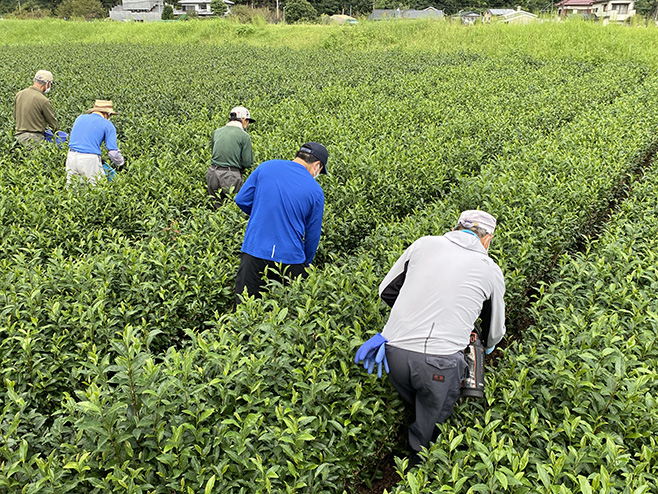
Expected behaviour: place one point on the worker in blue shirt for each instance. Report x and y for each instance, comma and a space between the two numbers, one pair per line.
285, 205
89, 131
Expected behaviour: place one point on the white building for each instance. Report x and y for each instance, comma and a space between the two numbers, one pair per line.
151, 10
138, 10
613, 10
201, 7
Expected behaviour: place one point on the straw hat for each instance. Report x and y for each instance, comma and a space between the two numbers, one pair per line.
103, 106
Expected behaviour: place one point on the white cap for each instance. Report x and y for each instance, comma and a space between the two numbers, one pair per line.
241, 112
475, 217
44, 76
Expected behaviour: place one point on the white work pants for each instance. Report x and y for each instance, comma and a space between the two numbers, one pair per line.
85, 165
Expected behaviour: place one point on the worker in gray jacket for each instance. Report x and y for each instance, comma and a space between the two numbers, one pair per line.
437, 290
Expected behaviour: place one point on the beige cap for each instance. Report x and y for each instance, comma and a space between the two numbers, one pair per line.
43, 76
103, 106
475, 217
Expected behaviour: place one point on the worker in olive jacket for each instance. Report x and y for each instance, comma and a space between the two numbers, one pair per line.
33, 111
437, 290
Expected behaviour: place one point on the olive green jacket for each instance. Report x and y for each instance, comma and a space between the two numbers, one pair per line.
33, 111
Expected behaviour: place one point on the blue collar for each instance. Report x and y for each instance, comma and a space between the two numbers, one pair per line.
472, 233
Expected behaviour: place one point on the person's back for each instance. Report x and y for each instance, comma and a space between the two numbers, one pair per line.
29, 108
231, 148
447, 280
33, 112
285, 205
286, 213
89, 131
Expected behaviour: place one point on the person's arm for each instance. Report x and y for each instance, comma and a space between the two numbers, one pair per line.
49, 114
493, 314
112, 147
247, 159
390, 287
245, 197
313, 230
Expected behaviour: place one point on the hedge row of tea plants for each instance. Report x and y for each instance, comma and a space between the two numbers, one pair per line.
572, 407
401, 128
122, 365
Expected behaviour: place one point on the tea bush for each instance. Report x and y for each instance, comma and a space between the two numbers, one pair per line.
122, 365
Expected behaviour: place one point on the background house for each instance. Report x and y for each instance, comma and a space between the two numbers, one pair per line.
137, 10
151, 10
467, 18
519, 16
428, 13
574, 7
510, 16
201, 7
495, 14
613, 10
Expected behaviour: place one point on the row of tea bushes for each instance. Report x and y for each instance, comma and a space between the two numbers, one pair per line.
572, 405
121, 371
268, 400
401, 128
145, 249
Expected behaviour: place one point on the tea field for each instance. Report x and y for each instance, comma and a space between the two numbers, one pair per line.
122, 367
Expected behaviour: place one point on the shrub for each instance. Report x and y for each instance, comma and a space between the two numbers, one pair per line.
168, 13
300, 11
86, 9
218, 8
245, 14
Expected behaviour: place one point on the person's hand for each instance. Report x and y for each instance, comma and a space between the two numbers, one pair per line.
373, 352
487, 351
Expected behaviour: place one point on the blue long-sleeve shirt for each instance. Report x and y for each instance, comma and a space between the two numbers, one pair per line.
89, 131
285, 205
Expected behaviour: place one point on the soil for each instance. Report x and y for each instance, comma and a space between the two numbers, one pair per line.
389, 477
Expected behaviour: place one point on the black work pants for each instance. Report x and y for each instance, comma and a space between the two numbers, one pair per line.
252, 269
430, 384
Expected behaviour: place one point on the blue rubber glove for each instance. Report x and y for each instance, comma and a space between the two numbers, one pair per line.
110, 172
487, 351
59, 138
373, 352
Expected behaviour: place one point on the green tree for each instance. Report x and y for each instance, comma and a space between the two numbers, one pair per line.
300, 11
89, 9
218, 8
647, 8
167, 13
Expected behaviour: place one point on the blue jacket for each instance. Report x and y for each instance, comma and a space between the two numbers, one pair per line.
285, 206
89, 131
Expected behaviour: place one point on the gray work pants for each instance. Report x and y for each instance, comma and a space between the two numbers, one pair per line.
29, 139
430, 384
220, 180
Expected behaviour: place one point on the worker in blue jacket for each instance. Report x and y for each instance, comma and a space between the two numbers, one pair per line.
89, 131
285, 205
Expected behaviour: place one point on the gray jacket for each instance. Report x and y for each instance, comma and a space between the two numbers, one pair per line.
437, 289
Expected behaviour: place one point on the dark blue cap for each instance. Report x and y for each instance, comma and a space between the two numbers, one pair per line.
318, 151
